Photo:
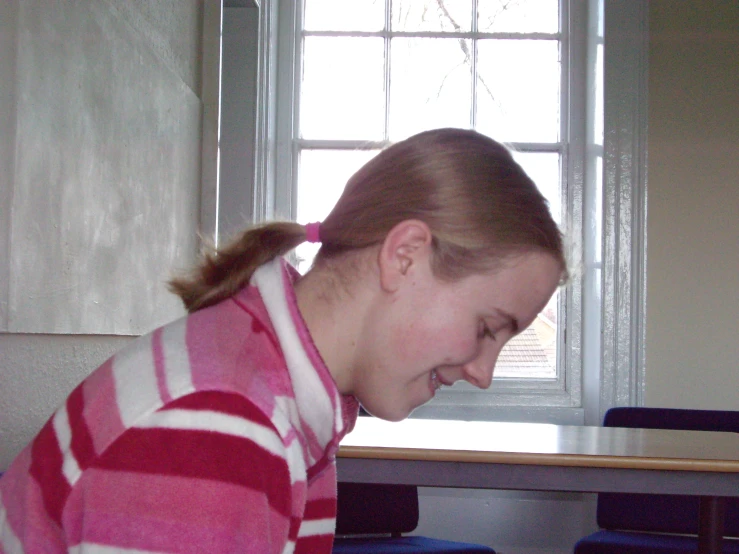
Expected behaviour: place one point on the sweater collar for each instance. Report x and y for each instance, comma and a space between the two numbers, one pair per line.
327, 415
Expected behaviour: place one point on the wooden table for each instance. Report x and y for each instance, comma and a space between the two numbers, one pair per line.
531, 456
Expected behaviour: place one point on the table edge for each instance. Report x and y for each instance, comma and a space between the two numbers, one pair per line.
542, 459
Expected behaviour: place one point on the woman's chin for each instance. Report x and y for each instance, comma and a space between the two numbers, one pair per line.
388, 414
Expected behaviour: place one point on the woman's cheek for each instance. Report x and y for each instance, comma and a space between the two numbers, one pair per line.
411, 341
461, 349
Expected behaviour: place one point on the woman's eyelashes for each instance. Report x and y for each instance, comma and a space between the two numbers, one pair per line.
485, 332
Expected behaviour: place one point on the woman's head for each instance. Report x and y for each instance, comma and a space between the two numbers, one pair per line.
480, 205
461, 253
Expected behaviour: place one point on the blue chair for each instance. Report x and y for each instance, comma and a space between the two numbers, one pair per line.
373, 518
654, 523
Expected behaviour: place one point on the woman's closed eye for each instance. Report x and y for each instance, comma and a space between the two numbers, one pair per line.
485, 332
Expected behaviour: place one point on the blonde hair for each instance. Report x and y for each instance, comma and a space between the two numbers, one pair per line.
480, 205
478, 202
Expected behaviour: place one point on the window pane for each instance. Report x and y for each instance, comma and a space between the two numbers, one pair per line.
599, 111
322, 175
342, 93
431, 15
518, 90
598, 208
533, 352
518, 16
343, 15
544, 170
430, 85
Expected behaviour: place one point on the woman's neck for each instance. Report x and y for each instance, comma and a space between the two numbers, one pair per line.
333, 311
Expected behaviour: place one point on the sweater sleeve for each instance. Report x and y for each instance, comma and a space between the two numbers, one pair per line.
206, 473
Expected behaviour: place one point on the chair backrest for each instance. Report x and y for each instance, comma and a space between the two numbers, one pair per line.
656, 512
375, 509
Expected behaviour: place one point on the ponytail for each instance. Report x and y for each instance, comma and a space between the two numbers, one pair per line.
224, 271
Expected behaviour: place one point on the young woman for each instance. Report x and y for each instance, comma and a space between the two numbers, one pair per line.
217, 432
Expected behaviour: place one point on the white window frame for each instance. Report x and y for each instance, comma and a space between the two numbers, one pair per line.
605, 302
622, 350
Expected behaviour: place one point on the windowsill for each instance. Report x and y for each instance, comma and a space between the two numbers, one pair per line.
523, 414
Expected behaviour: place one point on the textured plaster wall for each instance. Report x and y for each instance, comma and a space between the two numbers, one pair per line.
100, 153
692, 351
37, 372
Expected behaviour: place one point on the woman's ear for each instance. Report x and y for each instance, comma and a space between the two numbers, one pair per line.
406, 247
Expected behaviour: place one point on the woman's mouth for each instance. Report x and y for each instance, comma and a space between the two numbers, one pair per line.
435, 382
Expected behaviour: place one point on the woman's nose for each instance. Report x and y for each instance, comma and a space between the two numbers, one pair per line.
479, 372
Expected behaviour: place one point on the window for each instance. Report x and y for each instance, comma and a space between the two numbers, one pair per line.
372, 72
340, 80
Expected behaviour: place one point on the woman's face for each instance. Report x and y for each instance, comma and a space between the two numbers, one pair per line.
432, 333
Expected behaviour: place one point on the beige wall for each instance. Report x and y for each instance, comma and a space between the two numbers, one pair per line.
692, 346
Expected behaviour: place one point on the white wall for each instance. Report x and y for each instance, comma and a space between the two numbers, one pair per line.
511, 522
692, 348
8, 54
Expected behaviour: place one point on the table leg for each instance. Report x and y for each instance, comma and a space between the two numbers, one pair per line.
711, 528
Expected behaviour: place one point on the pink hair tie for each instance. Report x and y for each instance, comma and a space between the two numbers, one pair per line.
312, 232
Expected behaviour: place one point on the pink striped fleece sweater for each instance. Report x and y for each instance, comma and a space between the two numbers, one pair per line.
215, 433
